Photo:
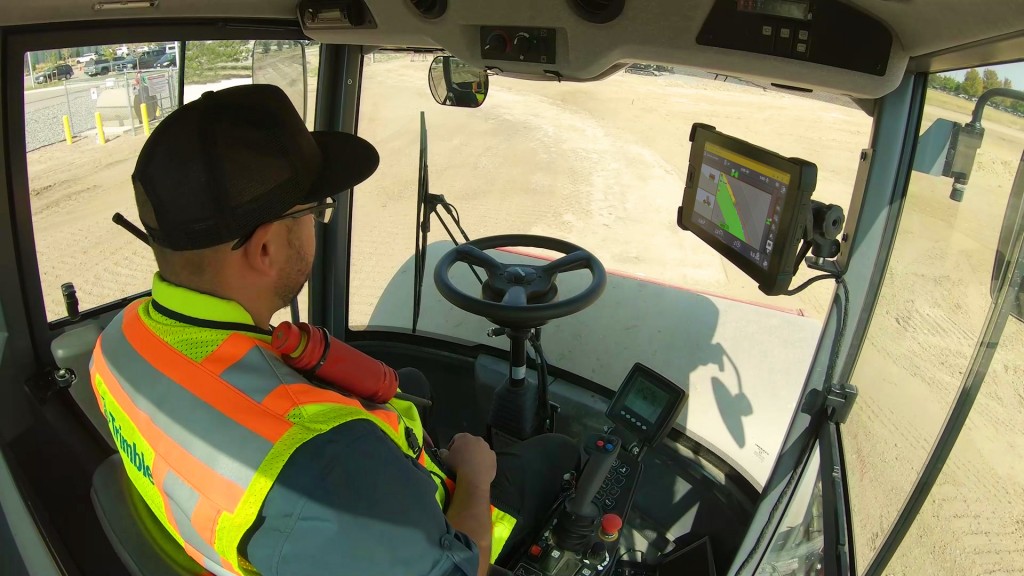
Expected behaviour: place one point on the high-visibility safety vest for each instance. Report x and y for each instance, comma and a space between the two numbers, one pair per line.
203, 442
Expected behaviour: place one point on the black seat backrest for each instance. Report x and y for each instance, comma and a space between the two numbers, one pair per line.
137, 536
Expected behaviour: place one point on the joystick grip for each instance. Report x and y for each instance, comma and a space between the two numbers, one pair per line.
602, 450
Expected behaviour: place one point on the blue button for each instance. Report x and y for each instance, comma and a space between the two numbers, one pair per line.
609, 447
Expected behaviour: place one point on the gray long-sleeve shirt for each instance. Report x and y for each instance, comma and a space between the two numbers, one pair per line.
349, 502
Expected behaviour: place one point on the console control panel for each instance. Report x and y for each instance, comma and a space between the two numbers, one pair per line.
518, 44
616, 493
821, 31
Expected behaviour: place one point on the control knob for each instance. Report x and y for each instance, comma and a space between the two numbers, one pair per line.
521, 45
497, 43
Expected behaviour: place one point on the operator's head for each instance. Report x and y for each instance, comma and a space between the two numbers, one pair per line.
228, 188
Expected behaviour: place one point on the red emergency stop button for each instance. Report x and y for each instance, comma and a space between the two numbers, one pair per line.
535, 551
610, 524
600, 443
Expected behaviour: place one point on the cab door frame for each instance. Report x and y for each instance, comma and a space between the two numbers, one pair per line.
874, 214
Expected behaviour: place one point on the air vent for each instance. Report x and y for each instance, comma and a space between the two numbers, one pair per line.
430, 9
597, 11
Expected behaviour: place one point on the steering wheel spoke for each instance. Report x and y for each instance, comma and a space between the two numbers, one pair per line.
476, 257
516, 296
578, 260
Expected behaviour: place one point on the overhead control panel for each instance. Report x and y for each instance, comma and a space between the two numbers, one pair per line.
825, 32
518, 44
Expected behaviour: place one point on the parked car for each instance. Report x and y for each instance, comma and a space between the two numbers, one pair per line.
167, 61
122, 64
98, 66
53, 73
149, 58
86, 57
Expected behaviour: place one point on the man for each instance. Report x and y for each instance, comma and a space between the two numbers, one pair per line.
251, 467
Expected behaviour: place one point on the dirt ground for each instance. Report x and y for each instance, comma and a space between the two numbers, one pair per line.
602, 165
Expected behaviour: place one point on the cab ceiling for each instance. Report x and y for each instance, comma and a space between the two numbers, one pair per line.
656, 31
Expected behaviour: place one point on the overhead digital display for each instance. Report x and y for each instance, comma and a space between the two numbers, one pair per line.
799, 9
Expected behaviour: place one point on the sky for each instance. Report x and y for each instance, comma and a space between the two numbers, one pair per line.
1015, 72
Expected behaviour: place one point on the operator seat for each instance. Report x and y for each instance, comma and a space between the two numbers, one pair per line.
141, 542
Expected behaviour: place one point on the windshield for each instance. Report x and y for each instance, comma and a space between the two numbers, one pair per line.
602, 165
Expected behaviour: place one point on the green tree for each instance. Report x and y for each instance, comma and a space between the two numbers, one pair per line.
1007, 83
217, 60
990, 79
944, 83
972, 85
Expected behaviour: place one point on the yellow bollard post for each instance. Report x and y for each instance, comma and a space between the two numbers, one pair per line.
99, 129
67, 128
145, 119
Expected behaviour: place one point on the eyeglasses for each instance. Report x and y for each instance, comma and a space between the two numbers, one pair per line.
322, 213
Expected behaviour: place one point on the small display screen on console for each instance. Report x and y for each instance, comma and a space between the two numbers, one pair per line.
646, 400
646, 405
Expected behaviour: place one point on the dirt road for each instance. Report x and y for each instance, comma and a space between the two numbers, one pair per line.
601, 165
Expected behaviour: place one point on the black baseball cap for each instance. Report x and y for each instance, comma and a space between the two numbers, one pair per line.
217, 168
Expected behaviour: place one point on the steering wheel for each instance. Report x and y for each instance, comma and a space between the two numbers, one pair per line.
520, 295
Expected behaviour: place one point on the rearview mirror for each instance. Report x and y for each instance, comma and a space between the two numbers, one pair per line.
454, 83
283, 64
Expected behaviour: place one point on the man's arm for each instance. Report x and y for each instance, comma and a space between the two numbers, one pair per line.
470, 512
349, 502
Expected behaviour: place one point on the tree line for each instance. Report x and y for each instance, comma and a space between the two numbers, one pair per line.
974, 85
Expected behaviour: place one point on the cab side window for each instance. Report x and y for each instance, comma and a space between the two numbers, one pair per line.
88, 112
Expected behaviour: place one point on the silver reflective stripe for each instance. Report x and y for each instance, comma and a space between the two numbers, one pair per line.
231, 449
183, 500
251, 374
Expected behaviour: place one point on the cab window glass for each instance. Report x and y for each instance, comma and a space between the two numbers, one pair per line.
603, 165
86, 114
924, 332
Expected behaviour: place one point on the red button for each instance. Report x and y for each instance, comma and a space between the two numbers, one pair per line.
611, 524
535, 551
600, 443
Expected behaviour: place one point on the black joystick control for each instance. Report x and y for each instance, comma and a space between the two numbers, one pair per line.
578, 522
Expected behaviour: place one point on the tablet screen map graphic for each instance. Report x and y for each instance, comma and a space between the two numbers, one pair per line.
733, 205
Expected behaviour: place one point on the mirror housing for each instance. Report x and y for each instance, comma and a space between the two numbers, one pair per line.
948, 149
452, 82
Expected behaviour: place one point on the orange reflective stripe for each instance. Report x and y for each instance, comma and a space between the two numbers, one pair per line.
451, 485
230, 351
226, 493
193, 553
391, 418
200, 381
204, 518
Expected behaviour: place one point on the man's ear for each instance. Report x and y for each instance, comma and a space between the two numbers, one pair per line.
260, 252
